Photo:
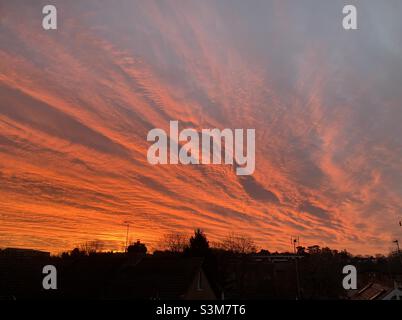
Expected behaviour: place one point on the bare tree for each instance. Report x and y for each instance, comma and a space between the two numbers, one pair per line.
92, 246
238, 243
174, 241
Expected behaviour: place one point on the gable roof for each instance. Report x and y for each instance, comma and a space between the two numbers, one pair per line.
372, 291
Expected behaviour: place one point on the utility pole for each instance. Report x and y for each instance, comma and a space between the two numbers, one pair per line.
128, 229
397, 246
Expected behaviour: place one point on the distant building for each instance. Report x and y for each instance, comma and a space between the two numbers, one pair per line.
21, 272
25, 253
163, 278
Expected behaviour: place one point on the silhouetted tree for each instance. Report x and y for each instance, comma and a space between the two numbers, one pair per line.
320, 272
175, 242
91, 247
238, 243
75, 252
137, 247
199, 245
301, 250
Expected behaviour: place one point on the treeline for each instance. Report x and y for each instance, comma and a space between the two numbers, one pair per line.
236, 267
176, 242
198, 244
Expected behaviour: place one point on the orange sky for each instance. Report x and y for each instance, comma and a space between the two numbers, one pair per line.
76, 106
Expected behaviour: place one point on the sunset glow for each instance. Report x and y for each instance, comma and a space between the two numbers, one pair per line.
76, 105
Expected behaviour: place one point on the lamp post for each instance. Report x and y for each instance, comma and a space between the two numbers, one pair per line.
294, 241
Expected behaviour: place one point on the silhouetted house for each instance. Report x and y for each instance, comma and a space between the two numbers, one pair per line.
376, 291
21, 272
25, 253
90, 276
163, 278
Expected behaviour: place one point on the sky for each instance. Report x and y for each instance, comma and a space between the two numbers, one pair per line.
76, 105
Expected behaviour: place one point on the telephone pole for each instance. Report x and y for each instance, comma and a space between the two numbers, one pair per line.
128, 230
397, 246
